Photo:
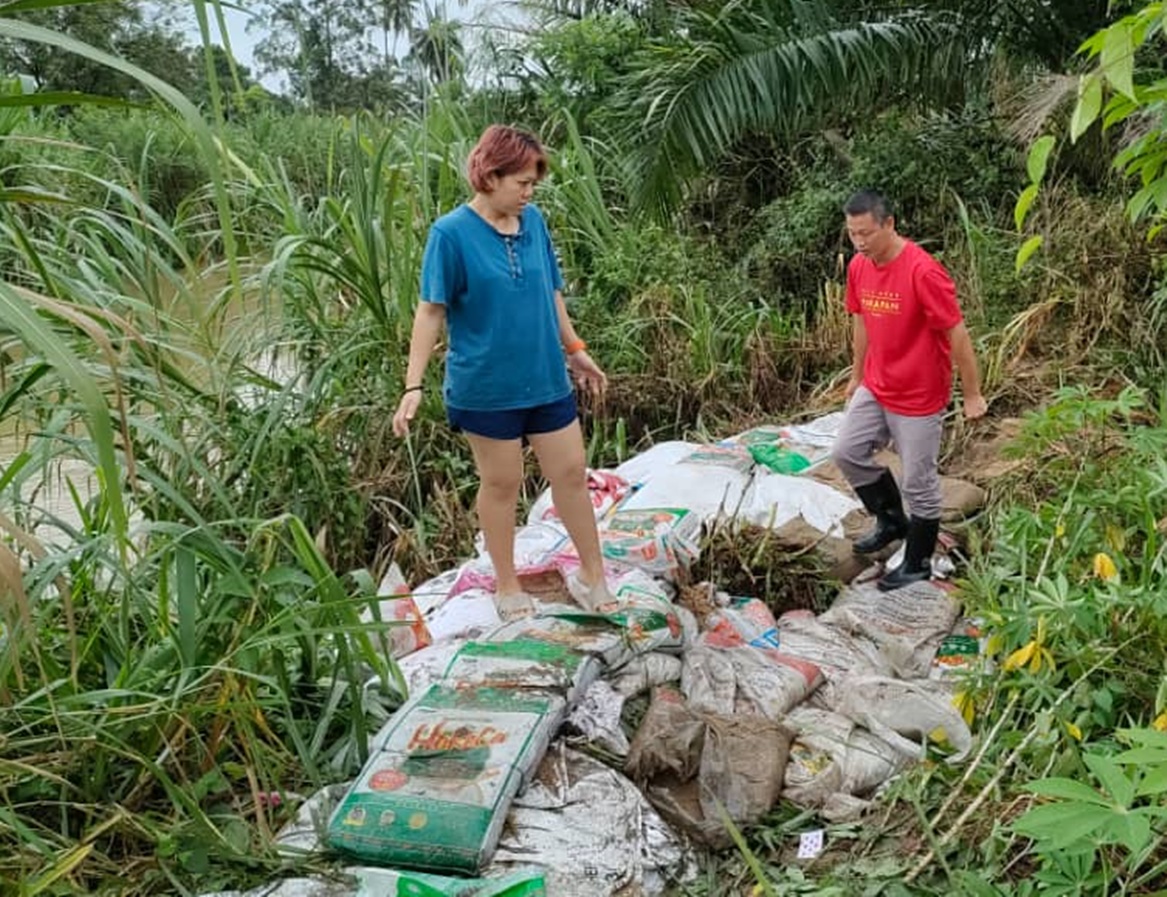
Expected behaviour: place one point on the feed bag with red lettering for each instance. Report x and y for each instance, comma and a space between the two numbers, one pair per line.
436, 790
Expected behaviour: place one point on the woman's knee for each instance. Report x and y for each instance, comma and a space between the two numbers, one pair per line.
499, 485
570, 474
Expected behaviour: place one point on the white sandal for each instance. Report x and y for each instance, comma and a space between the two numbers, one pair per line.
515, 606
594, 598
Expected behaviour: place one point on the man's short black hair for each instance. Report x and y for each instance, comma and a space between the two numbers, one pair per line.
869, 202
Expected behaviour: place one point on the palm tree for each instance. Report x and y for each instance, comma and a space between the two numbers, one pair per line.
437, 47
779, 67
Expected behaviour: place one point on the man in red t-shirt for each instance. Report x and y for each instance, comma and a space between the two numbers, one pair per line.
908, 331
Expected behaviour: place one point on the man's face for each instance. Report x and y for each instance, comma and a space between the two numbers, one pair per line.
870, 237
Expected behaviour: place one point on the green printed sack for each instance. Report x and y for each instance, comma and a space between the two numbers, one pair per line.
393, 883
523, 664
435, 792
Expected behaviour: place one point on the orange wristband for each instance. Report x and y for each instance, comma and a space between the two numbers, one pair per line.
578, 346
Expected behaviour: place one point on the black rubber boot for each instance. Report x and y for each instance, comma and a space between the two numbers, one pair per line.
882, 498
917, 565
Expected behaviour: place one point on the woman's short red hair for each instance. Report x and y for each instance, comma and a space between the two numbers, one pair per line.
503, 150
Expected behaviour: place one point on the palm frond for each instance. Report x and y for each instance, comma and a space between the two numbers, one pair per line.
752, 74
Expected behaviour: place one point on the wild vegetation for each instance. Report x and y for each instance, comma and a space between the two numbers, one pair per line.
206, 298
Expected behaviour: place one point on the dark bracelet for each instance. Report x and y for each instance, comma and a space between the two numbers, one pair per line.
412, 389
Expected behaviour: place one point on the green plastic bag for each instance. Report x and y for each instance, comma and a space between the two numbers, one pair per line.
779, 459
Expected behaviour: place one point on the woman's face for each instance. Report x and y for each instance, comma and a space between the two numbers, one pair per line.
510, 193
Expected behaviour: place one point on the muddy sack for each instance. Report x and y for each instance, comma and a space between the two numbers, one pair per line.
435, 793
522, 664
907, 624
833, 758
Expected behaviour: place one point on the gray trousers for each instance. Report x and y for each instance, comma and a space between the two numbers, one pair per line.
868, 427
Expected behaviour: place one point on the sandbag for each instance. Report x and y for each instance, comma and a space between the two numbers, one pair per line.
592, 831
832, 757
776, 499
906, 714
669, 739
522, 664
645, 672
707, 480
907, 624
833, 650
435, 795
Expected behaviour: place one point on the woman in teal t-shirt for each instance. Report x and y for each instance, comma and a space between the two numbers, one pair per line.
490, 276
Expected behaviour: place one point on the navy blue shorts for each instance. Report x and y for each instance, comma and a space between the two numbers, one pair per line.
516, 422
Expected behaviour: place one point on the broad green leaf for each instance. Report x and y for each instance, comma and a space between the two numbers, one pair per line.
974, 885
1112, 777
1067, 789
1154, 781
1118, 57
1028, 248
1035, 164
1088, 106
1061, 825
1131, 830
1024, 201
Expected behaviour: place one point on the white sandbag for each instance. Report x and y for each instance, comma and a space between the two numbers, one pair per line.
595, 719
832, 757
908, 624
745, 680
660, 541
536, 546
593, 634
708, 481
426, 667
770, 683
638, 469
406, 630
906, 714
592, 831
774, 499
644, 620
433, 593
522, 664
833, 650
436, 795
708, 679
645, 672
469, 614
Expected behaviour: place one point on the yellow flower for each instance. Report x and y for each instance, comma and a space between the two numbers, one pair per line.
1074, 731
1160, 722
1104, 567
1032, 654
964, 703
1020, 657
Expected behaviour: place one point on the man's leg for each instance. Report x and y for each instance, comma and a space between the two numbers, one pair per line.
863, 432
918, 443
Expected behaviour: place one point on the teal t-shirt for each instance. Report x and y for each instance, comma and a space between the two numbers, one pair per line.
499, 293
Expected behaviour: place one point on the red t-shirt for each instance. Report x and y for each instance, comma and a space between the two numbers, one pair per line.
908, 307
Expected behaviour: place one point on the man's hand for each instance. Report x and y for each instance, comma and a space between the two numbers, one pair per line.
975, 407
852, 385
